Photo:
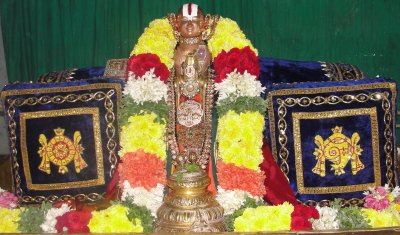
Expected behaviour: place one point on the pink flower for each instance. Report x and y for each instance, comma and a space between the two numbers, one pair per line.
381, 190
376, 202
8, 200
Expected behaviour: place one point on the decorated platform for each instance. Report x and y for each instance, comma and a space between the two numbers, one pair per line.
197, 133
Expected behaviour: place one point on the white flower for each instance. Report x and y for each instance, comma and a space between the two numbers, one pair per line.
396, 192
2, 190
148, 87
152, 199
327, 219
231, 200
50, 219
236, 85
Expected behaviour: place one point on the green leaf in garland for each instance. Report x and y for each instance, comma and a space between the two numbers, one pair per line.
241, 105
140, 212
32, 217
130, 108
350, 217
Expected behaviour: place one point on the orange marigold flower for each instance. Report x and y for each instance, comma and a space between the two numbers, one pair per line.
142, 169
231, 177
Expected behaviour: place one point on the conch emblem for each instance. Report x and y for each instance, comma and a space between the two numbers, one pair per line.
60, 150
338, 149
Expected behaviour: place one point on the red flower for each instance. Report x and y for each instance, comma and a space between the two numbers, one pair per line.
240, 59
299, 223
231, 177
74, 222
135, 168
301, 216
303, 210
140, 64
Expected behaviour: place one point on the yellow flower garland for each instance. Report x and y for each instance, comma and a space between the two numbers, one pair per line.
157, 39
228, 35
114, 220
385, 218
265, 218
9, 220
143, 132
240, 139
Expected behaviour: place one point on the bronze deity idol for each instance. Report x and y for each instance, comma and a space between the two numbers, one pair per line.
189, 206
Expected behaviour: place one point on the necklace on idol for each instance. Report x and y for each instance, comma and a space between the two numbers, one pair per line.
190, 119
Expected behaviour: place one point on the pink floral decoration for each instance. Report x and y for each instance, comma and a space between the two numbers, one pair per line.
377, 199
8, 200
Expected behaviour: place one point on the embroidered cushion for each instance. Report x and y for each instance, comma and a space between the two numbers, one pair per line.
289, 71
69, 75
334, 139
63, 138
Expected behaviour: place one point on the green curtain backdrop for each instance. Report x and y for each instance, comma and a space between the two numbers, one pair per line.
47, 35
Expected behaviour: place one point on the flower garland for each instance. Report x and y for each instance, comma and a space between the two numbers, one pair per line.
50, 221
64, 217
227, 36
157, 39
265, 218
142, 174
32, 217
143, 126
114, 220
74, 222
9, 220
237, 70
252, 216
239, 103
7, 199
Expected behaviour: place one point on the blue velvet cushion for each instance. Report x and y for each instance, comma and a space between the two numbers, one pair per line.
334, 139
71, 75
289, 71
63, 138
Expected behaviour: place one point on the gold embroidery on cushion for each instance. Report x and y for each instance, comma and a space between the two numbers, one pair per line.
111, 131
94, 112
372, 113
60, 150
338, 149
283, 104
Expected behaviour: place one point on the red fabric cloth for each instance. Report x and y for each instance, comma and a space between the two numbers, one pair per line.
277, 187
112, 188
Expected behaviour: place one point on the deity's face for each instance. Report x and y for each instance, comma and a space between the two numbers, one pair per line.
190, 21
